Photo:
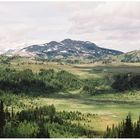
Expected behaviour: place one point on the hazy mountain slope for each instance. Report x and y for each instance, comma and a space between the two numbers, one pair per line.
133, 56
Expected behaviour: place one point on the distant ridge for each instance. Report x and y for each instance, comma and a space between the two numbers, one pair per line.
66, 48
133, 56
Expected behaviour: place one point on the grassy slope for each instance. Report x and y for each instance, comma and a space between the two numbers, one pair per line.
109, 108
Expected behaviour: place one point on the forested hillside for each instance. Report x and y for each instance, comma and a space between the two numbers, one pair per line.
45, 82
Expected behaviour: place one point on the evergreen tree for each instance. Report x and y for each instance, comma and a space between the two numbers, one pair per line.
51, 112
107, 133
137, 129
128, 128
2, 118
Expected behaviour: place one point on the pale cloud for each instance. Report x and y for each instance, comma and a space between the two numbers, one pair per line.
113, 25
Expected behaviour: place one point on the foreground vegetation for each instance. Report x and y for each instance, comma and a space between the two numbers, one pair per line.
125, 129
41, 122
86, 99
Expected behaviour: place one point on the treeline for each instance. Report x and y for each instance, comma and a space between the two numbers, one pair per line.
126, 129
122, 82
40, 122
46, 81
109, 83
50, 81
118, 82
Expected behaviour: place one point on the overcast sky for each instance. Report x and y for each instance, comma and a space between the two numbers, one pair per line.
114, 25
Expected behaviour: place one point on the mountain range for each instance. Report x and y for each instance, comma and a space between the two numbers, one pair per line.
64, 49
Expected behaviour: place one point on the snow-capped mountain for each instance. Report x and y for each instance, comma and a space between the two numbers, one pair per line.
66, 48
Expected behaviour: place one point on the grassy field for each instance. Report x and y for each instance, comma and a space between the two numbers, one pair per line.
109, 108
106, 108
